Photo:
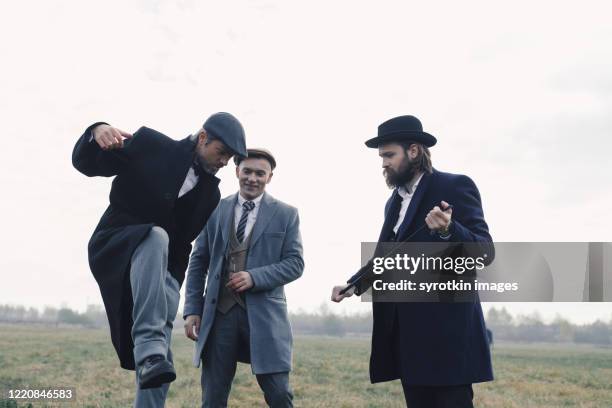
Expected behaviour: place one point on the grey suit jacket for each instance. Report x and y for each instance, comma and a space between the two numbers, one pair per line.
274, 259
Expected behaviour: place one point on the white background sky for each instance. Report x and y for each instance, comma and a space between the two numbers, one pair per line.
518, 93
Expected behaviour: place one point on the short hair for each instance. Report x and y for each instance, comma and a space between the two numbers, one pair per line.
196, 134
423, 158
257, 154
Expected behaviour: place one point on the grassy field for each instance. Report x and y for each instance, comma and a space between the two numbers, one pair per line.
328, 372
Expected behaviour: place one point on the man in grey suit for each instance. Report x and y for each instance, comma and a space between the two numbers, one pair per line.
249, 249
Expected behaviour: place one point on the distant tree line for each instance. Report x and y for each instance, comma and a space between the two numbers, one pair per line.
531, 329
503, 325
94, 316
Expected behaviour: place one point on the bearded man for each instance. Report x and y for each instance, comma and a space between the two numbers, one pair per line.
437, 350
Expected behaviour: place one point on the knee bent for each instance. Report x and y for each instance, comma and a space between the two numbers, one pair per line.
159, 236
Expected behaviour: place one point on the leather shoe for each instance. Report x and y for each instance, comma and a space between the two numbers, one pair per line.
155, 371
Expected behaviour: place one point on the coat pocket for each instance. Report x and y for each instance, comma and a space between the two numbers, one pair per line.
273, 235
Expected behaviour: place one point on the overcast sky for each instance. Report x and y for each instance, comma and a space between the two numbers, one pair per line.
519, 95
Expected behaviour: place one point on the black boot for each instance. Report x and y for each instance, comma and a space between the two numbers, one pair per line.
155, 371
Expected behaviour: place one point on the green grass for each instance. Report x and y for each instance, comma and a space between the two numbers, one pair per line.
328, 372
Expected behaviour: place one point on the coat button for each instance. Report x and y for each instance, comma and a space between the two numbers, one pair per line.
168, 196
213, 301
217, 276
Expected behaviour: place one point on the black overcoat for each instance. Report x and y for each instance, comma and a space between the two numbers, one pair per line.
149, 172
433, 344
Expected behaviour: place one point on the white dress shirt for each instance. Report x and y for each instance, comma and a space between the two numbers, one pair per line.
190, 181
252, 215
406, 198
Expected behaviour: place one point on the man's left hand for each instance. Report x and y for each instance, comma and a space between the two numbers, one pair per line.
240, 281
438, 219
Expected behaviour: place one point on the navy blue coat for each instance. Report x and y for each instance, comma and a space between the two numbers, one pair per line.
150, 170
435, 344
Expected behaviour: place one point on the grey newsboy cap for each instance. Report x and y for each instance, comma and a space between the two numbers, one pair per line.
225, 127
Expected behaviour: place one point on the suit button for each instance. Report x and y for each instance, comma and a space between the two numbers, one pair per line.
168, 196
213, 301
217, 276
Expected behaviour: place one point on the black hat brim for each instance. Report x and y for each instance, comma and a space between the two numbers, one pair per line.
423, 138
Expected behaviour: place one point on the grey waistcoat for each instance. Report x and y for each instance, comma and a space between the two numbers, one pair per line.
235, 262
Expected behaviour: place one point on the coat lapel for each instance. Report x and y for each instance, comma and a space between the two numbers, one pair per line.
390, 216
414, 205
264, 216
226, 210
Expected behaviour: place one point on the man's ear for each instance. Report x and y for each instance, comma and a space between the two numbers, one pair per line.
202, 137
413, 151
270, 177
237, 171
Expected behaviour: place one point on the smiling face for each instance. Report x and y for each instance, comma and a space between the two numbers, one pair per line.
212, 153
253, 176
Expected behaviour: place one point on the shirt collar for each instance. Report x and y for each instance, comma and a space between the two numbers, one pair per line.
242, 200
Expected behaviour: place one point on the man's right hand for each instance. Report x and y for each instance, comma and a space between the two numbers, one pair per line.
192, 321
337, 297
108, 137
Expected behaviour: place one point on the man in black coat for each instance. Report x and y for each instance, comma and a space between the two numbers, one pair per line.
438, 350
162, 195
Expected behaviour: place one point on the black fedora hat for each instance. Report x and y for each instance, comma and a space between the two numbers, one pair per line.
401, 128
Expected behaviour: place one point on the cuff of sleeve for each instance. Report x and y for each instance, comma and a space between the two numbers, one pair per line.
252, 280
257, 283
91, 128
192, 310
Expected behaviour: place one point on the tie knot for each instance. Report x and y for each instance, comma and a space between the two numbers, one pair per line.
248, 205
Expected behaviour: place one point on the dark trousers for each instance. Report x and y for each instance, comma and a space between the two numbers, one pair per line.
455, 396
229, 333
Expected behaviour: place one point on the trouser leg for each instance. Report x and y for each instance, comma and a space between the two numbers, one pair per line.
275, 386
456, 396
156, 300
277, 391
156, 397
148, 280
219, 359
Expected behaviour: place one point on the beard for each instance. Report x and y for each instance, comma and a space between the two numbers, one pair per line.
206, 167
405, 174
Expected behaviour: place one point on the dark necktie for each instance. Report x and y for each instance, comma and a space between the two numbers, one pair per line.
247, 206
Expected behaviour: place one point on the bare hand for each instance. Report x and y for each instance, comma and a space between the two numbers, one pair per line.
438, 219
337, 297
109, 137
192, 321
240, 281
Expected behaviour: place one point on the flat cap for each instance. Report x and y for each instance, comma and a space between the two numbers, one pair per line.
257, 153
225, 127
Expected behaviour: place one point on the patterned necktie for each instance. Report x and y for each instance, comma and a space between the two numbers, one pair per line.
247, 206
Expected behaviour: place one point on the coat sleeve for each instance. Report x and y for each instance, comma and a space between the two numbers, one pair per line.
291, 265
91, 160
469, 225
364, 278
196, 274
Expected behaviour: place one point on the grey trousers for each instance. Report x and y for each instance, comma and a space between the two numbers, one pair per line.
229, 332
156, 298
